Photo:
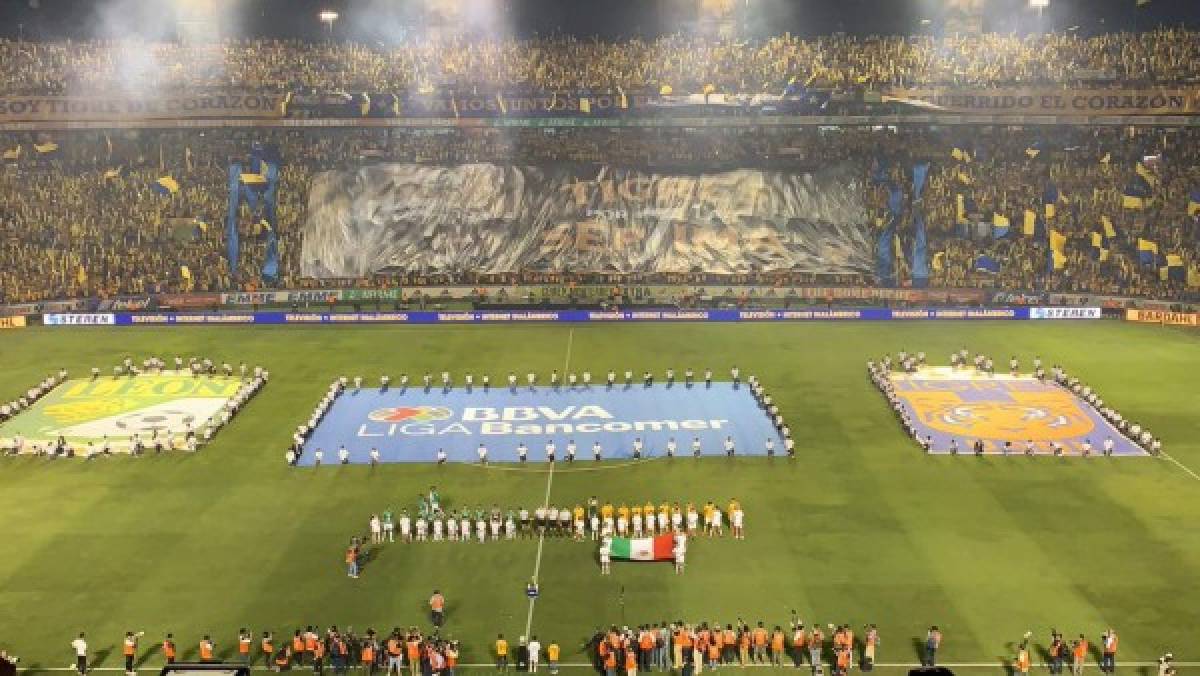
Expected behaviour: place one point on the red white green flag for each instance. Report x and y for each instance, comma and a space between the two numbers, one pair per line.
660, 548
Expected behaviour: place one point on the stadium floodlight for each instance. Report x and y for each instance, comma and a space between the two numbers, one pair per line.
327, 17
1039, 4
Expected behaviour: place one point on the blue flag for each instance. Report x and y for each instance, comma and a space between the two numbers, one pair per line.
232, 246
885, 247
920, 246
986, 263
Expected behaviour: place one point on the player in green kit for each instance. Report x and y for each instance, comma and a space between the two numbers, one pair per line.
389, 526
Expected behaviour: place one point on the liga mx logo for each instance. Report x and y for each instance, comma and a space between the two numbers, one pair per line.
397, 414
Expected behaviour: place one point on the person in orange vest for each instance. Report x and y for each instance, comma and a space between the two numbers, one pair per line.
437, 607
777, 646
352, 562
395, 653
1079, 652
245, 639
412, 649
645, 648
842, 663
502, 654
298, 648
799, 642
206, 649
677, 647
310, 640
1108, 651
714, 650
687, 653
1021, 663
452, 658
267, 645
610, 663
129, 648
366, 653
553, 652
169, 649
317, 655
631, 665
758, 639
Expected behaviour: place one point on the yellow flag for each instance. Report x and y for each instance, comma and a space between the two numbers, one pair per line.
1058, 241
1060, 260
1030, 224
585, 105
81, 275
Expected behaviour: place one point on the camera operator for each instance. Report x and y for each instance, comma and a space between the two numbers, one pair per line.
1166, 665
8, 663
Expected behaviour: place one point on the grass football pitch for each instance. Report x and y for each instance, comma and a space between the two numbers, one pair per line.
860, 527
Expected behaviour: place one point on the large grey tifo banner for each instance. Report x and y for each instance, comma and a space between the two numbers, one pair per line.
497, 218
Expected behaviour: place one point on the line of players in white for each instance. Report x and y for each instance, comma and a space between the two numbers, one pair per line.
570, 379
597, 522
342, 383
196, 366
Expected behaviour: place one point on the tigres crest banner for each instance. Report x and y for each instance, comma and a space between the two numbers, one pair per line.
220, 105
1049, 101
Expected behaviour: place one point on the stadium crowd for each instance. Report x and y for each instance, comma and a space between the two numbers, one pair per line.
86, 221
683, 63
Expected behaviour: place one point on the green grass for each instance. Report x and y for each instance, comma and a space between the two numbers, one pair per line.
860, 528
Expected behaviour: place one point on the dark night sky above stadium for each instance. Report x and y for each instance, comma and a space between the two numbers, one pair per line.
364, 20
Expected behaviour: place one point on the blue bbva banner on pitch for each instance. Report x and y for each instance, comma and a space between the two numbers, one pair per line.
412, 424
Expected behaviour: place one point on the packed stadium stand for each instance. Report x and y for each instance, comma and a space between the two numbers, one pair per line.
137, 209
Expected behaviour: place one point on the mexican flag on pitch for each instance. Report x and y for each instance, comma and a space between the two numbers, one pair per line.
659, 548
